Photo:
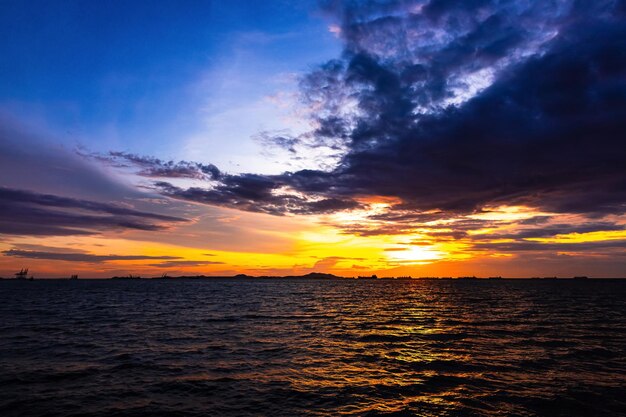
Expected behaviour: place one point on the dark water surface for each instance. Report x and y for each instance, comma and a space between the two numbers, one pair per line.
220, 348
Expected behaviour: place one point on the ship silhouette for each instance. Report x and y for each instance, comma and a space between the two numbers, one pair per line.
23, 274
366, 277
73, 277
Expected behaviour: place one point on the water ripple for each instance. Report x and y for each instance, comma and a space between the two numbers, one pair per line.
315, 348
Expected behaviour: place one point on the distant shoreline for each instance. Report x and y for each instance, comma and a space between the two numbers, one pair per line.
320, 277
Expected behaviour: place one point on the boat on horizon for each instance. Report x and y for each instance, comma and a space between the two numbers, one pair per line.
368, 277
23, 275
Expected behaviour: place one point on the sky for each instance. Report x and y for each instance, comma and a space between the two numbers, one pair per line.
423, 138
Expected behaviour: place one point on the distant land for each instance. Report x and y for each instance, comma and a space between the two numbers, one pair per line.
318, 276
324, 276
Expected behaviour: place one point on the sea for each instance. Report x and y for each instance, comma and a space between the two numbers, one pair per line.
289, 347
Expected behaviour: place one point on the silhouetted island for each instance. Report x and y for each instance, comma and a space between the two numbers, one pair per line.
311, 275
130, 276
368, 277
325, 276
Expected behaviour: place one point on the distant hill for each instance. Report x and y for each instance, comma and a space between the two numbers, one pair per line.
311, 275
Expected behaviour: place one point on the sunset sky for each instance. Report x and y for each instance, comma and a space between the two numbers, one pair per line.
423, 138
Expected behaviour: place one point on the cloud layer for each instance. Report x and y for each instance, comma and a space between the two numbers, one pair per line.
439, 115
547, 131
81, 256
29, 213
453, 107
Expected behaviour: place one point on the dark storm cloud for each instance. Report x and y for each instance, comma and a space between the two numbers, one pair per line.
29, 213
550, 134
450, 107
432, 47
256, 193
79, 256
548, 131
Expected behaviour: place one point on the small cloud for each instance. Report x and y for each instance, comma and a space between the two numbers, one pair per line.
335, 30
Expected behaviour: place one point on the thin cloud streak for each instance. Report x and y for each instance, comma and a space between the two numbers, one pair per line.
29, 213
80, 257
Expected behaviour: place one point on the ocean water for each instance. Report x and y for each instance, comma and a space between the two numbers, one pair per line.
312, 348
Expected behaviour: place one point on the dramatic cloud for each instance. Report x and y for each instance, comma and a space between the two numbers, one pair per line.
28, 213
258, 193
545, 128
155, 168
494, 127
486, 131
452, 107
270, 194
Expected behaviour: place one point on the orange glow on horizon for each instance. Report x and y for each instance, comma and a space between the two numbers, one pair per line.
302, 244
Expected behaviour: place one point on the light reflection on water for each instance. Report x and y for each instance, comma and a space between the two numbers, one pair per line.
312, 348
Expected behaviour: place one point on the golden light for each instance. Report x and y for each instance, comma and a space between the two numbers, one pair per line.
416, 254
507, 213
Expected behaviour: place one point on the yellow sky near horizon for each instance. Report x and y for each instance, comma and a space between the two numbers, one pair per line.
229, 242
